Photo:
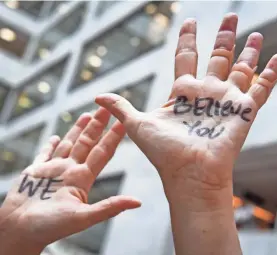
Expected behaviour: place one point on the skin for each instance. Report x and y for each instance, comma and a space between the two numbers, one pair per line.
28, 224
197, 171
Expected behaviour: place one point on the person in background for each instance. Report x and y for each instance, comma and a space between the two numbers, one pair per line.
193, 141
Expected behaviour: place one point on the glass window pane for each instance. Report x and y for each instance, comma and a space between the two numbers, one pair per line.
2, 198
138, 34
103, 6
39, 91
59, 6
63, 30
34, 9
3, 94
136, 93
13, 41
17, 153
68, 118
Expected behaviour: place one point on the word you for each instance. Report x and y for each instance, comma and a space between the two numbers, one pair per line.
33, 188
204, 131
210, 107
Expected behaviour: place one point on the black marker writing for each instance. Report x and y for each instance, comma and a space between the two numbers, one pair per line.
47, 189
28, 184
210, 107
33, 188
204, 131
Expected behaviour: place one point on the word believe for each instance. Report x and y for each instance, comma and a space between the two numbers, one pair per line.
210, 107
32, 188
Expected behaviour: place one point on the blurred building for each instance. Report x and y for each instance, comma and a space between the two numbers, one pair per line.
56, 56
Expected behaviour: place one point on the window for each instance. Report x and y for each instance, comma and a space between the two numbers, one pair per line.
91, 240
235, 6
269, 43
136, 93
135, 36
103, 6
12, 41
2, 198
3, 94
67, 119
63, 30
39, 91
17, 153
34, 9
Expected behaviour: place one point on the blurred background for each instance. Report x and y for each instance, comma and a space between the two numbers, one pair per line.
56, 56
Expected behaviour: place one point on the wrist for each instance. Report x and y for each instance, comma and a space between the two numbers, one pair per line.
14, 240
202, 215
198, 196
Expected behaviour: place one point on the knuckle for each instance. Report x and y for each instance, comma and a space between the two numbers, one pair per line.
106, 151
243, 69
268, 74
86, 141
95, 127
222, 52
112, 207
184, 79
265, 83
187, 50
64, 147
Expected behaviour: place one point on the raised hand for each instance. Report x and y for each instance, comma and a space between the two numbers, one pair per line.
194, 139
49, 200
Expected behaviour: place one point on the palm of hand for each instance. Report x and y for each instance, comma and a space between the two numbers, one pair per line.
199, 132
50, 197
204, 135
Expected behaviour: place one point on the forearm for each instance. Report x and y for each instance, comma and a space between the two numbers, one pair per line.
206, 226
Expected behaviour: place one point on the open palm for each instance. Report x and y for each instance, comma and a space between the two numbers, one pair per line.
49, 200
199, 132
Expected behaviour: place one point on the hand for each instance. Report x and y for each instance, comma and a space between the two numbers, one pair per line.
49, 200
195, 138
197, 135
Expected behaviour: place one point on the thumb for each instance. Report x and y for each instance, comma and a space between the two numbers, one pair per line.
121, 108
105, 209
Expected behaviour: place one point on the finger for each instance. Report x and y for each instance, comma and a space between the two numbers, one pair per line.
122, 109
89, 215
242, 72
105, 149
186, 52
47, 150
222, 55
65, 146
232, 58
90, 135
261, 90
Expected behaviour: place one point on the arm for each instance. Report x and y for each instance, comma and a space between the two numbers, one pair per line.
195, 138
49, 199
203, 226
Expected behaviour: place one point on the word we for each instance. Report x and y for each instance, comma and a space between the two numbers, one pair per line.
210, 107
205, 131
33, 189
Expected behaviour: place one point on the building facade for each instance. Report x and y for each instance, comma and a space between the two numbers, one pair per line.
55, 57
